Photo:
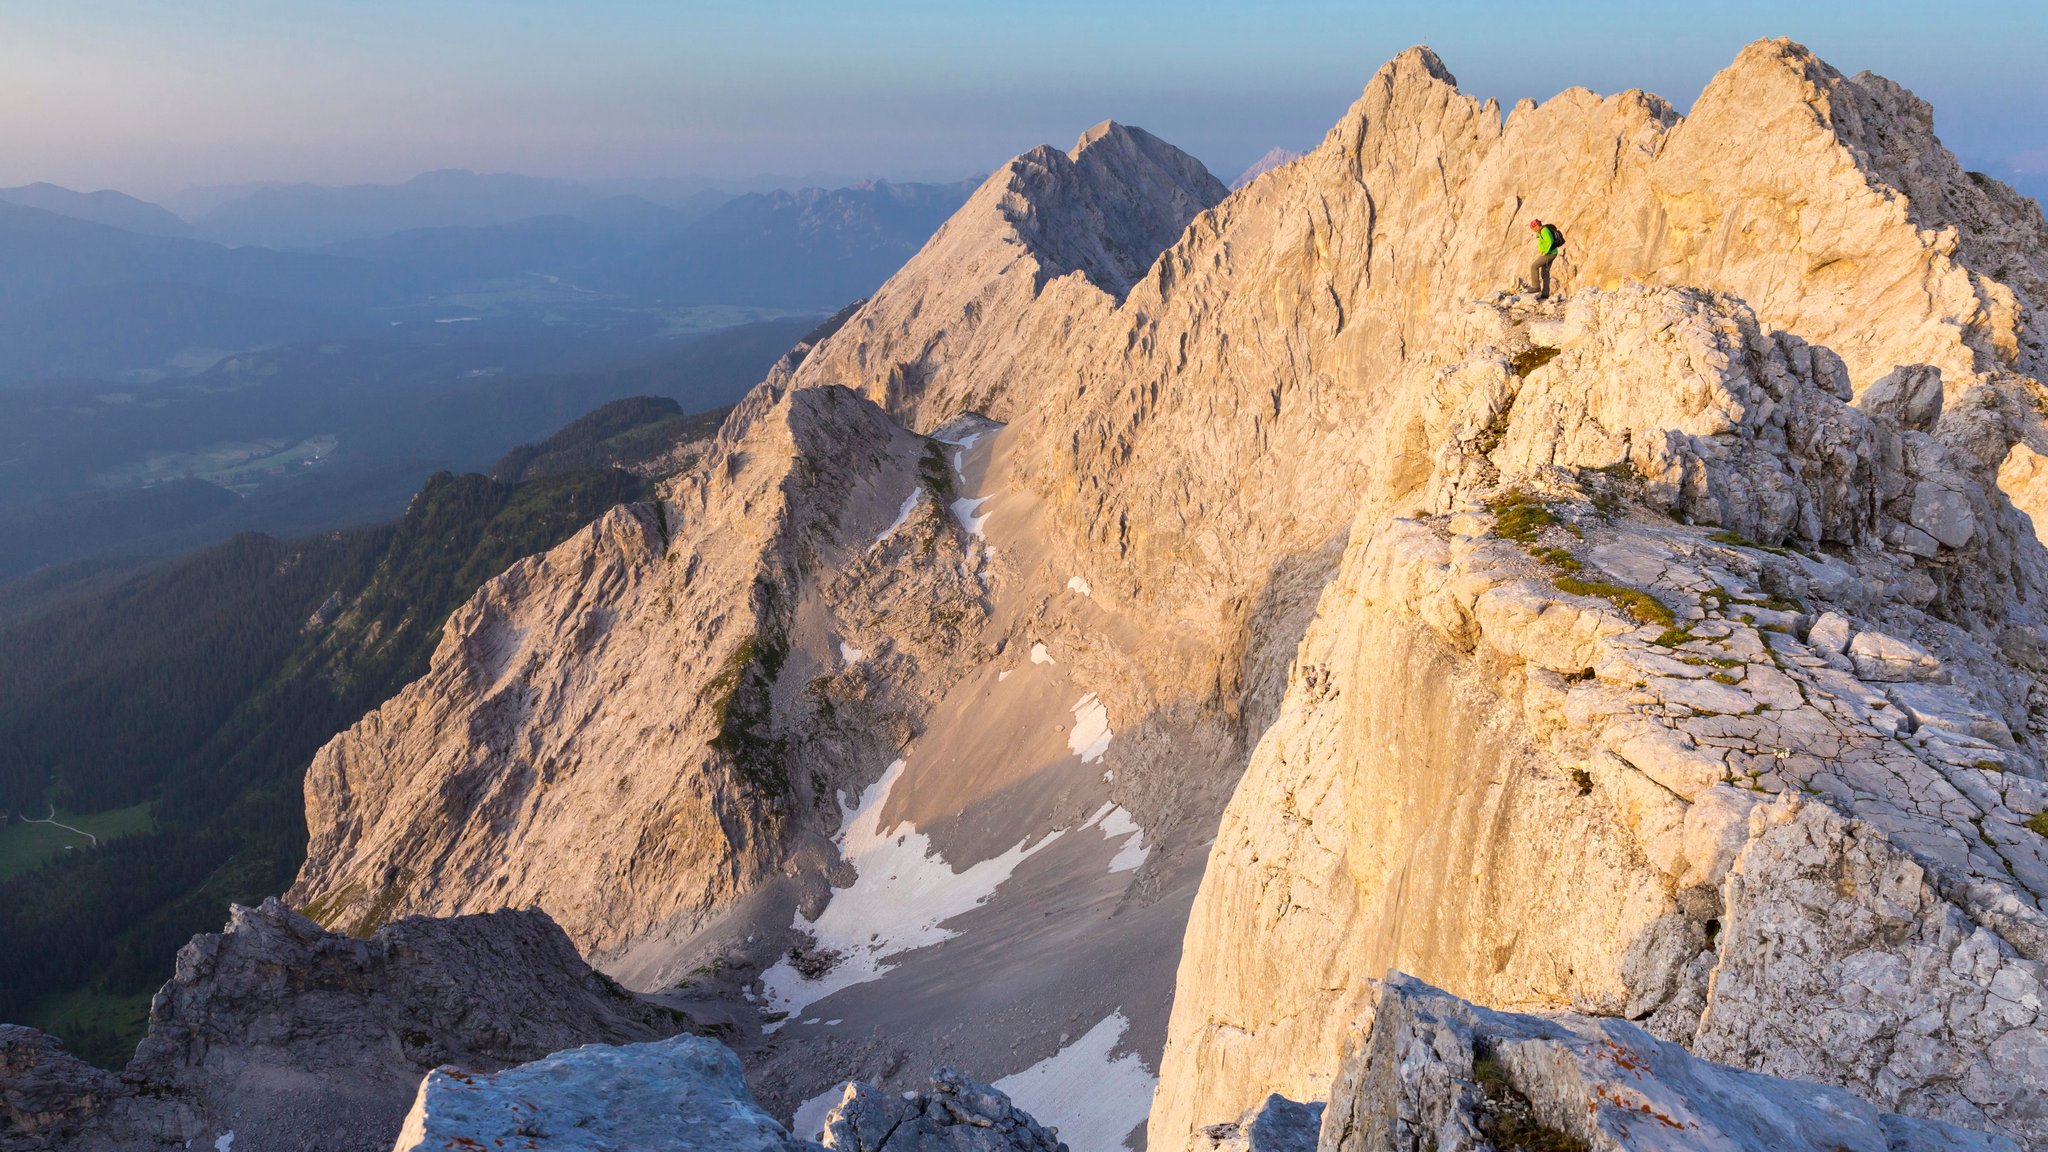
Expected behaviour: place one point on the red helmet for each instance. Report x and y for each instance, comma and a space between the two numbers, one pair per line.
1535, 223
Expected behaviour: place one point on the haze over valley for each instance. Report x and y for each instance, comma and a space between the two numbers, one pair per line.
1387, 608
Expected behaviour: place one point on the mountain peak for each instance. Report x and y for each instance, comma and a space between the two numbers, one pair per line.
1112, 133
1419, 66
1274, 158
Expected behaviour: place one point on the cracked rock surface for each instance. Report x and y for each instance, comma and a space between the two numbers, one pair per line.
1428, 1070
686, 1092
955, 1114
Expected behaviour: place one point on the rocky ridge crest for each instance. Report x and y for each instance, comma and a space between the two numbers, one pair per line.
1517, 615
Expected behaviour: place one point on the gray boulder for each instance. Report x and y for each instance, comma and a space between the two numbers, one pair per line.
1910, 395
1434, 1071
683, 1093
1888, 659
957, 1115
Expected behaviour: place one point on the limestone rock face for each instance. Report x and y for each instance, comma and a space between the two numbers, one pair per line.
1510, 617
1429, 1070
597, 734
1536, 657
676, 1094
289, 1036
1047, 246
51, 1101
955, 1114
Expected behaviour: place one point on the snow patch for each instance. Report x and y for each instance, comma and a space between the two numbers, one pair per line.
850, 654
963, 511
1090, 736
809, 1121
223, 1142
1078, 584
902, 514
902, 893
1118, 822
956, 440
1040, 656
1095, 1100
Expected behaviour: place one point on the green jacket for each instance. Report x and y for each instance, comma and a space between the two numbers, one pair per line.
1547, 240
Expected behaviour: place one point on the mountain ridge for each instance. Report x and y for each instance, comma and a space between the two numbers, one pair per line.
106, 206
1264, 557
1222, 402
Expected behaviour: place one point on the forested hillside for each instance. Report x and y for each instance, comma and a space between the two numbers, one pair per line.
202, 687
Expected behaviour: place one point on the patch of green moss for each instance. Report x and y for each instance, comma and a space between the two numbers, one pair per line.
1506, 1118
1496, 430
1738, 540
1673, 637
1637, 604
323, 910
1558, 558
1530, 359
935, 472
2038, 823
741, 698
1777, 603
379, 912
1520, 517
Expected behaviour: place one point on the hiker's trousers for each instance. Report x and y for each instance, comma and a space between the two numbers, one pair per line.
1539, 273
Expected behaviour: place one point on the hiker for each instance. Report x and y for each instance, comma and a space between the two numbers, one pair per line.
1549, 242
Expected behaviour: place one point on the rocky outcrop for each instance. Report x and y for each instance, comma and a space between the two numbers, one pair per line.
51, 1100
1043, 251
1554, 649
603, 731
955, 1114
1430, 1070
1514, 612
289, 1036
685, 1093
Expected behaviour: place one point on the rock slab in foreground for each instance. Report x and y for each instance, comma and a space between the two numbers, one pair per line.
1433, 1070
957, 1115
289, 1036
686, 1092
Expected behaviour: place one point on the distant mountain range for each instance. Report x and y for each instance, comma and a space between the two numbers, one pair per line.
114, 209
104, 285
310, 215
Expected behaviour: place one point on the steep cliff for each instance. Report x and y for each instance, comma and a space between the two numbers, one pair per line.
1430, 1070
1529, 740
597, 732
1514, 612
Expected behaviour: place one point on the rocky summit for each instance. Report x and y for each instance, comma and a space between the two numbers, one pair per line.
1100, 659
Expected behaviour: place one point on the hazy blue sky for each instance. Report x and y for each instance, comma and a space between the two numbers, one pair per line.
152, 96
